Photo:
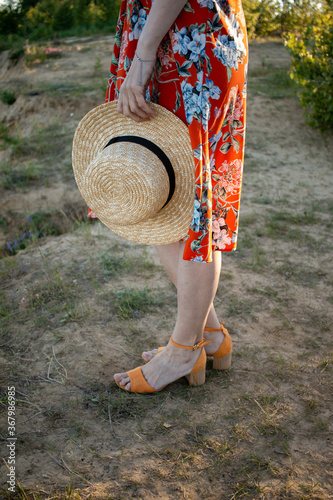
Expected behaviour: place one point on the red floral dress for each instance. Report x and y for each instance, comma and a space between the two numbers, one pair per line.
200, 75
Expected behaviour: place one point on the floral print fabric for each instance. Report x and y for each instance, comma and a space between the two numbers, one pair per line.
200, 75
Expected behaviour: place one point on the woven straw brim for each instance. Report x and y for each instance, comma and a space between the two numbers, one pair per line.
165, 130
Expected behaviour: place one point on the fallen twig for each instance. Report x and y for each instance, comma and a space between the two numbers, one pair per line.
110, 421
65, 466
260, 406
148, 445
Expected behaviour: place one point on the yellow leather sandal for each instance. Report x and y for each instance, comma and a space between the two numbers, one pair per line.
196, 377
222, 357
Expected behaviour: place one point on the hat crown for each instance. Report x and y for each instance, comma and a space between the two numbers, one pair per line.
129, 181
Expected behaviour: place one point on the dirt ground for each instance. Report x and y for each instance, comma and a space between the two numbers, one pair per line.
79, 303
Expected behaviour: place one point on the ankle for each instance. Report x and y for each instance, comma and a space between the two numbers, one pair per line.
212, 321
187, 337
215, 325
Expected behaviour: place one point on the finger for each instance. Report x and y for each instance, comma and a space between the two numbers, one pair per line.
134, 108
130, 114
135, 102
144, 106
123, 108
120, 106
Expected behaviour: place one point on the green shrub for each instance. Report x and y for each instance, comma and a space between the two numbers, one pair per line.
8, 97
11, 178
312, 70
16, 52
275, 17
34, 55
133, 303
5, 137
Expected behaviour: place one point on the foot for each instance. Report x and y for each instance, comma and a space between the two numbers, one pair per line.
170, 365
215, 338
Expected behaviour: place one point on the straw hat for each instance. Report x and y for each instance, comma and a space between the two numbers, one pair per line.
138, 178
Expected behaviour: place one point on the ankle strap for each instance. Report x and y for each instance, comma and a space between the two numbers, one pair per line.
194, 347
214, 329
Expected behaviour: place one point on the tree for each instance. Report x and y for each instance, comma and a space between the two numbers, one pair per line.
63, 16
110, 9
9, 18
261, 17
25, 5
41, 14
81, 12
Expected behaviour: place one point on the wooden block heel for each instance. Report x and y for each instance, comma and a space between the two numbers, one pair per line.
197, 378
222, 362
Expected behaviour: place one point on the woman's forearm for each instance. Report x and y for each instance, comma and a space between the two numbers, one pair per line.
132, 98
162, 15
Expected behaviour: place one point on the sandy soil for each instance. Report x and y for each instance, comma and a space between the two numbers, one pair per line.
261, 430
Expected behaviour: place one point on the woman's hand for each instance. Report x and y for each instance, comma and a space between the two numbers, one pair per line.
131, 101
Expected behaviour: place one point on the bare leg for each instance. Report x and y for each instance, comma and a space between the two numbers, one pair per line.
197, 285
169, 256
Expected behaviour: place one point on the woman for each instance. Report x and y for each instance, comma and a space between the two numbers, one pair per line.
191, 58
